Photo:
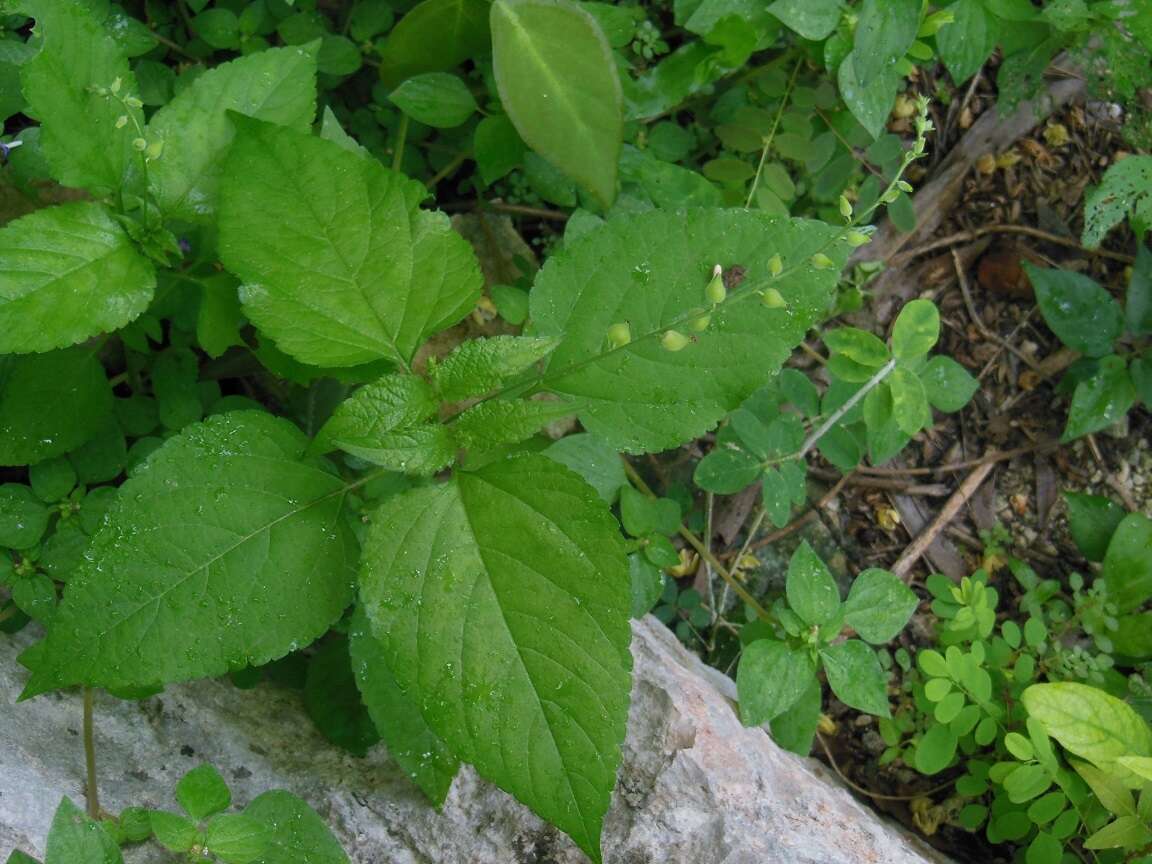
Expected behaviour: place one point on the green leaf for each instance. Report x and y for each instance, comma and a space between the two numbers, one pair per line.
1127, 567
594, 460
650, 270
917, 329
1101, 400
647, 583
219, 28
202, 792
795, 729
495, 422
1108, 788
435, 99
879, 604
885, 437
642, 514
434, 36
338, 55
235, 838
811, 589
297, 835
1044, 849
885, 31
225, 548
50, 404
351, 270
1138, 299
1127, 832
172, 831
1093, 520
726, 470
909, 401
558, 82
387, 423
859, 346
411, 742
935, 750
969, 40
1083, 315
501, 599
856, 677
771, 677
1125, 190
78, 133
813, 19
219, 319
1027, 782
497, 148
870, 104
948, 385
76, 839
332, 698
1088, 722
69, 273
479, 366
23, 518
277, 85
1141, 766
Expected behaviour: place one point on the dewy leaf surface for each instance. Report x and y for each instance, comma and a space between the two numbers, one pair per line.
277, 85
558, 82
68, 273
50, 403
501, 599
350, 270
225, 549
78, 131
650, 271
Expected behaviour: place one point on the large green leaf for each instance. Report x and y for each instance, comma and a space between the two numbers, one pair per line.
76, 839
1088, 722
967, 42
297, 833
884, 31
432, 37
558, 82
226, 548
501, 600
277, 85
350, 270
650, 271
772, 676
419, 751
50, 404
1128, 562
66, 274
78, 131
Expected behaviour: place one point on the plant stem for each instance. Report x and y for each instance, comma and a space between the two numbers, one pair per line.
772, 133
698, 544
835, 416
91, 793
398, 148
456, 162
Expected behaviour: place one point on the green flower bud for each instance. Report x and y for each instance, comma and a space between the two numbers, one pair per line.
822, 262
154, 149
115, 87
133, 102
775, 266
700, 324
619, 335
674, 341
121, 121
715, 291
773, 299
904, 186
140, 144
845, 207
891, 195
858, 238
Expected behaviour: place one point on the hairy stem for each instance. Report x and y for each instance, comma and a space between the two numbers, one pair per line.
835, 416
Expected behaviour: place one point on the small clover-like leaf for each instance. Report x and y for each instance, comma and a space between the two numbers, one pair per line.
916, 330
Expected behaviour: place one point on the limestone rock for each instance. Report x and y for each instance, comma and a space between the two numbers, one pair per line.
695, 785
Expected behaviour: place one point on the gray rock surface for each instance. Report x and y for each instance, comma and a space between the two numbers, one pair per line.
695, 786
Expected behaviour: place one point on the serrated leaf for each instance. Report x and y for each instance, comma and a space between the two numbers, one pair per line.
69, 273
879, 604
1126, 189
501, 599
50, 404
297, 834
76, 839
78, 133
277, 85
479, 366
856, 677
411, 742
1088, 722
811, 589
351, 270
225, 548
434, 36
558, 82
650, 270
594, 460
332, 698
771, 677
495, 422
